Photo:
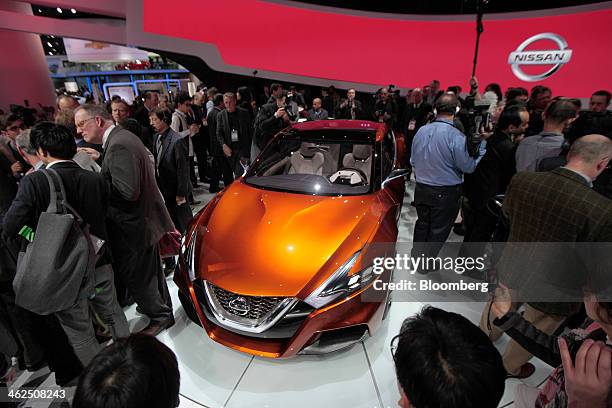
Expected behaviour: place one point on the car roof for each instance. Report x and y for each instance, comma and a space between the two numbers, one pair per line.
340, 124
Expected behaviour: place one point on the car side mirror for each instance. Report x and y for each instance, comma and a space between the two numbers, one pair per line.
395, 174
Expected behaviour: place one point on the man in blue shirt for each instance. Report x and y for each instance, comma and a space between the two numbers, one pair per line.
439, 160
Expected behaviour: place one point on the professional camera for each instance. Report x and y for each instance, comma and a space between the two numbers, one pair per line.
288, 107
475, 120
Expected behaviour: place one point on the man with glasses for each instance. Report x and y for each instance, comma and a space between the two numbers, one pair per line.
137, 217
443, 360
11, 162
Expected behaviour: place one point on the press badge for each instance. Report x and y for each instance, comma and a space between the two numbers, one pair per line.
234, 135
412, 124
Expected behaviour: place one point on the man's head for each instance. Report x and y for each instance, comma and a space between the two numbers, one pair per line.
384, 94
446, 105
120, 110
160, 119
25, 148
91, 122
600, 101
66, 118
435, 86
559, 114
517, 94
443, 360
513, 121
316, 104
455, 89
138, 371
276, 89
540, 97
280, 99
211, 92
52, 142
11, 125
351, 94
151, 99
229, 101
67, 102
183, 102
218, 100
416, 95
198, 99
590, 155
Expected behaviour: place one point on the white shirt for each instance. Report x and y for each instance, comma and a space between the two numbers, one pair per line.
48, 166
106, 134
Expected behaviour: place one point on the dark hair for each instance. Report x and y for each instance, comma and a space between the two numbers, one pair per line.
511, 115
8, 119
162, 114
56, 140
496, 89
539, 89
218, 99
513, 103
456, 89
245, 94
274, 87
447, 103
182, 97
560, 110
512, 93
132, 125
148, 94
605, 93
136, 372
443, 360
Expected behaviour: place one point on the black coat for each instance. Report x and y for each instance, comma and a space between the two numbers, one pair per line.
86, 192
345, 112
418, 114
136, 211
493, 173
267, 125
215, 148
173, 166
245, 130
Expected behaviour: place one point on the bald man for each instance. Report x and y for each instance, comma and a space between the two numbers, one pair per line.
553, 206
67, 102
317, 112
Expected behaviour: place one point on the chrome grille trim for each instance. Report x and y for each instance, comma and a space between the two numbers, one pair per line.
268, 312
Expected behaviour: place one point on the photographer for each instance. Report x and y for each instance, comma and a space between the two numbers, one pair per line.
439, 159
385, 109
272, 118
585, 377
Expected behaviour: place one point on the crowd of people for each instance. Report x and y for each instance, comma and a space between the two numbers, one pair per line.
128, 174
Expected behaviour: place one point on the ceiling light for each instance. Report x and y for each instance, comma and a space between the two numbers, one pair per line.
39, 10
49, 44
50, 53
59, 10
73, 11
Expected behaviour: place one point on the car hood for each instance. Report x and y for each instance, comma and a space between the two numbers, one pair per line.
266, 243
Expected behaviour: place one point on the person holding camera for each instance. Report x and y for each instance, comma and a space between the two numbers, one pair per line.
350, 108
583, 357
385, 108
272, 118
440, 157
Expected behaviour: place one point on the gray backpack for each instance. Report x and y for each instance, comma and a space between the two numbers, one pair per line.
58, 266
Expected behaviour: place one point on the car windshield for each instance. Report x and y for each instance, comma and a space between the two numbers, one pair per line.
321, 162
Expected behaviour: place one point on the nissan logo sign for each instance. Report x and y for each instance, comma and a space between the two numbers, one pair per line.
540, 57
239, 306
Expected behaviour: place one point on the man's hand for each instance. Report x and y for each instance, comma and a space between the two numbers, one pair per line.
474, 82
16, 168
180, 200
280, 113
193, 129
343, 104
502, 303
93, 153
227, 150
588, 382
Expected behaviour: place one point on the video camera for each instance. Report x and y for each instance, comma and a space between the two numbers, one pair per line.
290, 113
475, 120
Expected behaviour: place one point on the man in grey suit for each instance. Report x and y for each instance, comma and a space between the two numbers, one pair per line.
137, 216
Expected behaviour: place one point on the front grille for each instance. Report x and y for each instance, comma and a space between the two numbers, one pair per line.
256, 306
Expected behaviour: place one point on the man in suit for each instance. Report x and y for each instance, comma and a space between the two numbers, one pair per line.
151, 100
270, 120
86, 192
556, 206
415, 116
172, 168
350, 108
317, 112
137, 217
214, 147
234, 134
200, 140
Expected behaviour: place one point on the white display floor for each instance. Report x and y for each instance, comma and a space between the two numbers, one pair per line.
362, 377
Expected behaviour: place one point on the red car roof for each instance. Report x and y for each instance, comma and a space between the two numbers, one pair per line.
337, 124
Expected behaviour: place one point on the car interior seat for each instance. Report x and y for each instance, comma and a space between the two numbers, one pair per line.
360, 158
307, 160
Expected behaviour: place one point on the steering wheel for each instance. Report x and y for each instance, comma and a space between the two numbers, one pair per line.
362, 175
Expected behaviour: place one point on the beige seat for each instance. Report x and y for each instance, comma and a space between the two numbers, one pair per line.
361, 159
307, 160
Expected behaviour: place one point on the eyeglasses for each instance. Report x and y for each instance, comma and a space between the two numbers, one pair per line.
82, 123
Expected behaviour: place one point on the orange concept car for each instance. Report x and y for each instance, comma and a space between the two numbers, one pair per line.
281, 262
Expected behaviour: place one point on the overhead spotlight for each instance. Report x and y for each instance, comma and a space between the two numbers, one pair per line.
73, 11
59, 10
50, 53
49, 44
39, 10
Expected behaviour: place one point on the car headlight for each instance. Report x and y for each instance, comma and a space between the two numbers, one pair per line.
188, 252
340, 283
